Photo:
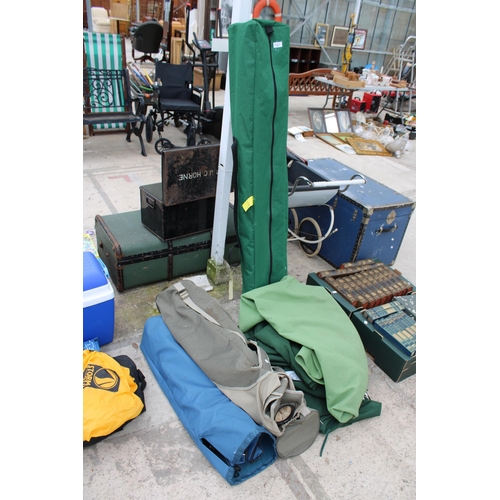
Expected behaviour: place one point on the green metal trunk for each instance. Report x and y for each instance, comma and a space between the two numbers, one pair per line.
134, 256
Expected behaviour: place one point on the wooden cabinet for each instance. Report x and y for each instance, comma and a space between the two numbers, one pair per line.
119, 15
304, 58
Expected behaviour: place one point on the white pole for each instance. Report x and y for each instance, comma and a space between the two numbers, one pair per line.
356, 11
90, 24
242, 12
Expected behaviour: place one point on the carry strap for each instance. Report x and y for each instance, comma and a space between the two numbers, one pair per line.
184, 295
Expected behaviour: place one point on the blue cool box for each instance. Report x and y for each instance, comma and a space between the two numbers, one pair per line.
98, 302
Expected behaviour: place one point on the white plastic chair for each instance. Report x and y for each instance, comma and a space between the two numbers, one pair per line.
100, 20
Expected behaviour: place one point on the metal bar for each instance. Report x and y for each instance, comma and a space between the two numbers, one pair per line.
357, 10
388, 6
242, 12
336, 184
306, 19
90, 24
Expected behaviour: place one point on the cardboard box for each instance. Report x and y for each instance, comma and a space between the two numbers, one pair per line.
119, 11
394, 361
301, 130
176, 50
198, 79
342, 80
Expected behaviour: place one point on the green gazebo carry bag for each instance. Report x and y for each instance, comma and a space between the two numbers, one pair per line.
258, 74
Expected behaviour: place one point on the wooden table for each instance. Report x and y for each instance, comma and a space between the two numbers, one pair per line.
338, 92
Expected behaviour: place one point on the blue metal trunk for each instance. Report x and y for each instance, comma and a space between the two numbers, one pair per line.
371, 219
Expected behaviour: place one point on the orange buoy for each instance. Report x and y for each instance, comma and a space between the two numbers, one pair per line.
267, 3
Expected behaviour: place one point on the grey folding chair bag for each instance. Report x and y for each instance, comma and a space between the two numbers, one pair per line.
238, 367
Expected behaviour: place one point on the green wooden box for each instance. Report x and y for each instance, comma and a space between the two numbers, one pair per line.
393, 361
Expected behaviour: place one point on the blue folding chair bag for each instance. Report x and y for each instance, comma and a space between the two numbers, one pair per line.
232, 442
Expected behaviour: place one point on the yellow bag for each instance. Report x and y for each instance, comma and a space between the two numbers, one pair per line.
113, 394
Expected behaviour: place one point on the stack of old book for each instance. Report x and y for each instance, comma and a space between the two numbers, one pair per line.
386, 299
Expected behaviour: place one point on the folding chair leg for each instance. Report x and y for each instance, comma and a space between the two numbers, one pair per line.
137, 131
143, 149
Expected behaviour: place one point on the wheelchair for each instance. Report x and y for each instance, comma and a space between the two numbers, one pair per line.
176, 100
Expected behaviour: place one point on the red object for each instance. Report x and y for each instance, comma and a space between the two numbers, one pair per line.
372, 100
267, 3
357, 105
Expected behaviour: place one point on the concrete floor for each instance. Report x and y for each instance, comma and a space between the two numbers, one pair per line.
154, 457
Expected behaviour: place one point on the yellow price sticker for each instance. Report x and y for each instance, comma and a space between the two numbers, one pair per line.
248, 204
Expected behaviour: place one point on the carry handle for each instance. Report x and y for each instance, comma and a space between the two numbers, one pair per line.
259, 355
151, 202
328, 184
336, 184
267, 3
388, 229
353, 179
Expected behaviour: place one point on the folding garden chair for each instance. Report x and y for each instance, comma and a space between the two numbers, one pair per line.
104, 51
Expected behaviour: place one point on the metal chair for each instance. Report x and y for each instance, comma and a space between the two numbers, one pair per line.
104, 51
108, 100
177, 100
146, 38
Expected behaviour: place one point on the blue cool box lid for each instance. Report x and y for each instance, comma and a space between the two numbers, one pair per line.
91, 345
93, 273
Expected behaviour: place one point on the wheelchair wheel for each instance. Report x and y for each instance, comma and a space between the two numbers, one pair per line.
190, 131
162, 145
309, 230
150, 126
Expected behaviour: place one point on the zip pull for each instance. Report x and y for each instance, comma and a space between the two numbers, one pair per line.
237, 470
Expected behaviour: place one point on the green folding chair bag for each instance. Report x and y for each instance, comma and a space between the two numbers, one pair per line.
258, 75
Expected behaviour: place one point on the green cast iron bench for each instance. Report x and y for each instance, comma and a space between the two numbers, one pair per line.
107, 100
